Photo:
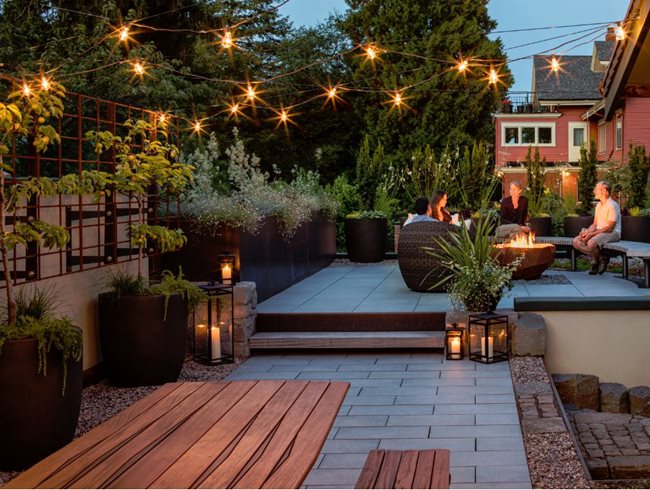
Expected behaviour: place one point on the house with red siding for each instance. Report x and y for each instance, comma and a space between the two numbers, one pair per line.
604, 97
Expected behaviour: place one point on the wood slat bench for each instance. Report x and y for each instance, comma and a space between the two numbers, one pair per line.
405, 469
248, 434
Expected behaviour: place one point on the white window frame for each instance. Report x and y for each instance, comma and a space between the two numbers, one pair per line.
619, 132
522, 125
602, 137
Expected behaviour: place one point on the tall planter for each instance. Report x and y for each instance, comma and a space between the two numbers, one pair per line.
573, 225
635, 228
542, 226
139, 345
366, 239
36, 416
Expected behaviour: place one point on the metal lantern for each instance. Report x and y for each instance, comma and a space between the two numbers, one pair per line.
214, 342
454, 343
227, 273
488, 337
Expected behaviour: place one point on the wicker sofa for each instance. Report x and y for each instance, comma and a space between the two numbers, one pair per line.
415, 263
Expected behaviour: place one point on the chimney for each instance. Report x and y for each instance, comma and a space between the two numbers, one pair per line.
611, 35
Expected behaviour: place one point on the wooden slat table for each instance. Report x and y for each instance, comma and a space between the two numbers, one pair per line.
239, 434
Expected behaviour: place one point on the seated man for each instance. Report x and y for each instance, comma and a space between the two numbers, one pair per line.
514, 213
421, 208
605, 228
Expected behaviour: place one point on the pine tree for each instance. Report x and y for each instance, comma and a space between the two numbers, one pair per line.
535, 174
587, 178
638, 168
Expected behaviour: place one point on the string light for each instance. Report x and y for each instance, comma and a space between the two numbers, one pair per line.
461, 66
197, 127
162, 119
493, 76
331, 93
250, 93
227, 40
27, 91
138, 69
619, 32
124, 34
372, 52
284, 118
397, 99
555, 65
45, 83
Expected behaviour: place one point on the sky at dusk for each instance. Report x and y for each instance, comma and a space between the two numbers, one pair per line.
511, 15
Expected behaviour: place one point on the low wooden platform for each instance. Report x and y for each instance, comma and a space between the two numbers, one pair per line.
247, 434
405, 469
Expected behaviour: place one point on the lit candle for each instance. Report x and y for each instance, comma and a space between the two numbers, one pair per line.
490, 347
455, 345
226, 274
215, 338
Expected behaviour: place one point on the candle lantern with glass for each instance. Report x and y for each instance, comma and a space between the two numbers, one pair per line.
214, 341
227, 273
454, 343
488, 337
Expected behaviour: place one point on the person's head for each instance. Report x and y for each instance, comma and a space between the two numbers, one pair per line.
602, 190
421, 205
439, 200
515, 189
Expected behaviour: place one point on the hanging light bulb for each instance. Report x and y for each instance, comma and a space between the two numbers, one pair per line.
619, 32
227, 40
555, 64
397, 99
197, 127
331, 93
284, 116
234, 109
250, 93
493, 76
124, 34
461, 66
372, 52
162, 118
138, 68
27, 91
45, 83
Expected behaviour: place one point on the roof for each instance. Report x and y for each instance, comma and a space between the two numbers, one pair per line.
575, 80
604, 50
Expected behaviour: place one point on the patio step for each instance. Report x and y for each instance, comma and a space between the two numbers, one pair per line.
347, 340
350, 322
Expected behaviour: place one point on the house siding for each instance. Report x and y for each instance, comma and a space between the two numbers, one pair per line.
636, 124
557, 153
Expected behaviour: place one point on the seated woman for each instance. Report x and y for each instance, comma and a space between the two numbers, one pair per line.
437, 207
421, 208
514, 213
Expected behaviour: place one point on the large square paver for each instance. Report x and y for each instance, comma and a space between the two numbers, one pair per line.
412, 401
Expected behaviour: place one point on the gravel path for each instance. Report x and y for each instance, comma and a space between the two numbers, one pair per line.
101, 401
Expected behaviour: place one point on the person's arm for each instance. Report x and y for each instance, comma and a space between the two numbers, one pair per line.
524, 208
506, 218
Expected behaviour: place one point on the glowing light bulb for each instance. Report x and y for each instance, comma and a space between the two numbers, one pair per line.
555, 64
493, 77
462, 66
197, 127
27, 91
234, 109
371, 52
619, 32
250, 93
283, 116
331, 93
124, 34
162, 118
45, 83
227, 41
397, 99
138, 68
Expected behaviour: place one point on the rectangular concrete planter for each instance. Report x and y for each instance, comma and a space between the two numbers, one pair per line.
266, 258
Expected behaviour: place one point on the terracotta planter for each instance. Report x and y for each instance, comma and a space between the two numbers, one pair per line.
36, 416
542, 226
635, 228
573, 225
139, 347
366, 239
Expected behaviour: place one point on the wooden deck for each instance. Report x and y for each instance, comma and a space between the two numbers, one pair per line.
405, 469
239, 434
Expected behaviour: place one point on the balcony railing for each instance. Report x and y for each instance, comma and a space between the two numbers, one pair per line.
524, 104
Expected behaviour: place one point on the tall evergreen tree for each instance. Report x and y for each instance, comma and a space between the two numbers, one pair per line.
446, 108
587, 177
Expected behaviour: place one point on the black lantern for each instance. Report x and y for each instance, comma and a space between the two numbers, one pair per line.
454, 343
488, 337
227, 274
214, 341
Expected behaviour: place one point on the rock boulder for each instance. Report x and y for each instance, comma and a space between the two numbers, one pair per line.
614, 398
640, 401
529, 335
578, 390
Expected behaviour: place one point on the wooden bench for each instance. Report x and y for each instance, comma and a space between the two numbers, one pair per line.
246, 434
405, 469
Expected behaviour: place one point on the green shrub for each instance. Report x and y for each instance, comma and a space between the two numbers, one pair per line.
587, 178
638, 168
536, 188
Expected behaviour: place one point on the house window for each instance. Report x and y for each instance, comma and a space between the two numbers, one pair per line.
528, 134
619, 132
578, 136
602, 137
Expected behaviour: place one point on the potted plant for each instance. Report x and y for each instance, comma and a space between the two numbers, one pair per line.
142, 326
539, 219
474, 278
636, 226
40, 352
574, 223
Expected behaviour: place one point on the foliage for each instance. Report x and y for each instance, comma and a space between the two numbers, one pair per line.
474, 278
122, 283
645, 212
638, 169
428, 173
555, 206
476, 183
386, 203
240, 194
536, 188
570, 205
36, 318
370, 172
444, 108
367, 214
349, 201
587, 178
635, 211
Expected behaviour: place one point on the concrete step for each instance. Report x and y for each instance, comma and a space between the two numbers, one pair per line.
347, 340
350, 322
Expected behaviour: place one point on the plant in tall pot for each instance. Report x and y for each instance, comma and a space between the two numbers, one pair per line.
366, 229
582, 215
40, 351
636, 226
539, 219
142, 325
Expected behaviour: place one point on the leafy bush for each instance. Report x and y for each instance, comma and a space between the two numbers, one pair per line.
587, 178
536, 187
638, 168
370, 173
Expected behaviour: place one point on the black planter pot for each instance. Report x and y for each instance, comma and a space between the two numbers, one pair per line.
635, 228
542, 226
138, 347
366, 239
36, 416
573, 225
